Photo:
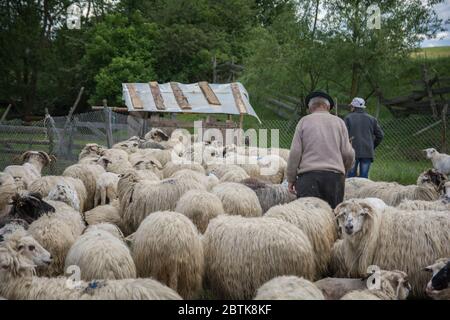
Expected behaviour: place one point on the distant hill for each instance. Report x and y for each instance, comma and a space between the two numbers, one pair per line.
432, 52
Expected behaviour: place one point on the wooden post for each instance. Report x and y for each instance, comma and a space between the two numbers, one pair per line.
72, 131
429, 90
144, 129
444, 129
108, 129
214, 80
5, 113
50, 127
377, 112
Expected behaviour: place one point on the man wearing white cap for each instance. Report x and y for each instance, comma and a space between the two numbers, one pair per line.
366, 135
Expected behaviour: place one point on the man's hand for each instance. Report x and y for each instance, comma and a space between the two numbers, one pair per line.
291, 188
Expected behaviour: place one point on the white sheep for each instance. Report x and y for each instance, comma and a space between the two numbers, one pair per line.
8, 189
114, 160
336, 288
200, 207
316, 219
17, 282
392, 239
139, 198
289, 288
106, 188
108, 213
441, 161
168, 247
92, 151
238, 199
394, 285
209, 181
100, 255
32, 164
241, 254
62, 192
89, 175
171, 167
129, 146
45, 184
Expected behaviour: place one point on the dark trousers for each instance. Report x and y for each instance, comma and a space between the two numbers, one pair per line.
326, 185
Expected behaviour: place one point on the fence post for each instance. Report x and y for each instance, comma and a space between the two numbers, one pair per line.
50, 126
444, 129
5, 113
108, 129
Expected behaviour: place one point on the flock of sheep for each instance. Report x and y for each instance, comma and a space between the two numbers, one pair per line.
166, 217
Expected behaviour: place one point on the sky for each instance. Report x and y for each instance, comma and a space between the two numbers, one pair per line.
443, 38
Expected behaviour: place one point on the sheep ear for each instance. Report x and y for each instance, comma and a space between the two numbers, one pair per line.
337, 210
367, 210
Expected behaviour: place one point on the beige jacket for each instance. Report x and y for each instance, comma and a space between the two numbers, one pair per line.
320, 143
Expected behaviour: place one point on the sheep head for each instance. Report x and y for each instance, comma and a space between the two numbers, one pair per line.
432, 177
395, 283
39, 156
157, 135
29, 207
26, 246
430, 152
440, 279
353, 216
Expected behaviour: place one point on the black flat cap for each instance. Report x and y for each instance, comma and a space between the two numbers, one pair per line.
321, 94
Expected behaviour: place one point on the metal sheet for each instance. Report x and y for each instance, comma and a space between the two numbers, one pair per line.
194, 96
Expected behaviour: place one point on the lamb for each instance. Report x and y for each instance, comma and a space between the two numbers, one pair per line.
100, 255
241, 254
139, 198
238, 199
441, 161
45, 184
209, 181
289, 288
64, 193
315, 218
269, 195
17, 282
390, 239
107, 213
7, 190
106, 188
200, 207
168, 247
89, 175
394, 285
437, 287
171, 167
32, 164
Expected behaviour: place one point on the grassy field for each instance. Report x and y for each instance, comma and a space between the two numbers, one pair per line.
432, 53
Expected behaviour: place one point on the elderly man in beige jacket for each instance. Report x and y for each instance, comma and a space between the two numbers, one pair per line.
321, 153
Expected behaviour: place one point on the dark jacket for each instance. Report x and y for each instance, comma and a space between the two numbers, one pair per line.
365, 131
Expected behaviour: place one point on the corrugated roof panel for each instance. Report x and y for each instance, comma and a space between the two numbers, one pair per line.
136, 95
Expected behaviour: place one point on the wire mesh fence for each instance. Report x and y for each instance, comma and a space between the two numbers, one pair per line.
399, 157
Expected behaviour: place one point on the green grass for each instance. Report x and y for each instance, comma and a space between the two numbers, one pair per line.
403, 172
432, 53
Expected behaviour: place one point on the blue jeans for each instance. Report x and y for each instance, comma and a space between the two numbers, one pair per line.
364, 166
